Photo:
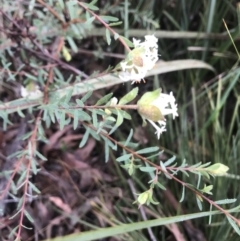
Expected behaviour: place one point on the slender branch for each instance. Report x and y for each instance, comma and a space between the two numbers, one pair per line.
51, 10
161, 170
105, 25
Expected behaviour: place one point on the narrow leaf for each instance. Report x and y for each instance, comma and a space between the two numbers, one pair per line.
104, 99
129, 96
85, 138
129, 138
183, 194
108, 37
226, 201
148, 150
169, 161
147, 169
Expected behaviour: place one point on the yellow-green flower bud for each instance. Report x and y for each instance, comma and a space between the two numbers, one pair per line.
217, 169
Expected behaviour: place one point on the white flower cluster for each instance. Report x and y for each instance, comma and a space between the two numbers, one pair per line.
140, 60
154, 105
166, 105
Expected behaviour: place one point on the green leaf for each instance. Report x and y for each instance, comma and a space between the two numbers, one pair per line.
80, 103
94, 134
199, 203
34, 188
21, 178
72, 44
149, 97
147, 169
106, 147
114, 24
124, 157
234, 225
161, 186
127, 41
108, 37
125, 115
28, 216
13, 232
43, 158
207, 189
85, 138
129, 138
183, 194
90, 6
20, 112
82, 115
88, 22
148, 150
129, 96
62, 120
104, 99
118, 122
93, 2
169, 161
75, 119
119, 229
210, 216
109, 18
86, 96
226, 201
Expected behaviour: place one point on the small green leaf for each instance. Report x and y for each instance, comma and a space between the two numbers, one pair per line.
90, 6
161, 186
226, 201
106, 147
207, 189
199, 202
20, 112
183, 194
86, 96
234, 225
93, 2
129, 138
104, 99
149, 97
115, 24
85, 138
109, 18
62, 120
108, 37
75, 119
72, 44
80, 103
169, 161
148, 150
43, 158
147, 169
129, 96
127, 41
34, 188
28, 216
124, 157
118, 122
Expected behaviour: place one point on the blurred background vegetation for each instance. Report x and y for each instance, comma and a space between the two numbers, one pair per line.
79, 191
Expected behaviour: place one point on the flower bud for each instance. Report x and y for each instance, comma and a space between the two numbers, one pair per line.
217, 169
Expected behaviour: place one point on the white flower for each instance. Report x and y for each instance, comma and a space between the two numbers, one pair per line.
153, 106
166, 104
140, 60
31, 91
159, 130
